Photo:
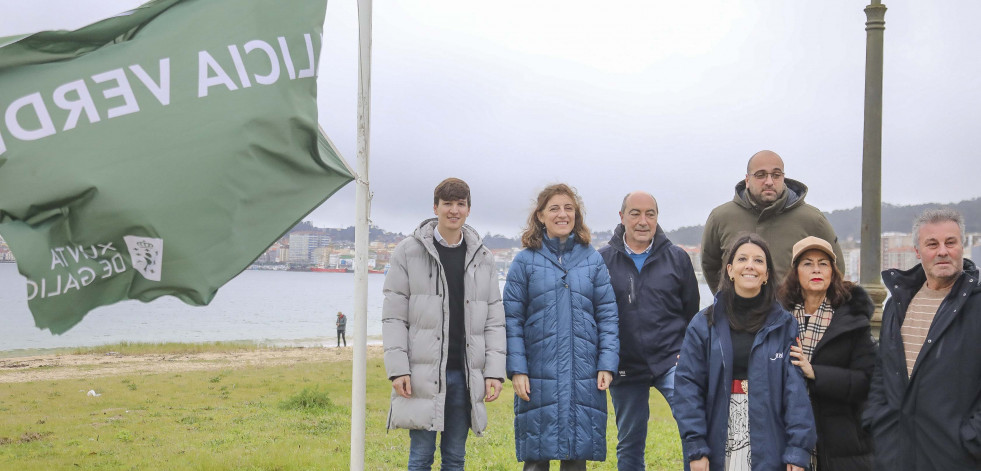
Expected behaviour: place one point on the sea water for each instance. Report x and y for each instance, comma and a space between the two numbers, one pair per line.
268, 307
271, 307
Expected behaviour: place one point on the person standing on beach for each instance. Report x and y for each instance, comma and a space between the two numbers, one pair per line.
657, 296
771, 205
341, 328
924, 407
443, 332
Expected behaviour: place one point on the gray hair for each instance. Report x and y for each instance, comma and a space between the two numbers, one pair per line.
934, 216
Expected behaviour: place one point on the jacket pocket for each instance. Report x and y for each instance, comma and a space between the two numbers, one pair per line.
970, 440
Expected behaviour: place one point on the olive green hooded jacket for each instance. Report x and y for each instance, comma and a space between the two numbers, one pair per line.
783, 223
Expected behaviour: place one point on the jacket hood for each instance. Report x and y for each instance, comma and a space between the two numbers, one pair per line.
660, 239
792, 197
566, 254
904, 281
856, 313
860, 304
424, 233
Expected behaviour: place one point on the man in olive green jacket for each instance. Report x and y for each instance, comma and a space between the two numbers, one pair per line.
771, 205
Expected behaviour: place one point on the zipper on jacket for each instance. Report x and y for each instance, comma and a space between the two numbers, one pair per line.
466, 343
630, 293
442, 328
466, 364
572, 349
389, 425
431, 263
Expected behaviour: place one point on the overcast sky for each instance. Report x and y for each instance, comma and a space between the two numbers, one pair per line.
669, 97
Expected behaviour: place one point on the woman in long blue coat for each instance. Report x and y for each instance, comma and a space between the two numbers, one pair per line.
562, 337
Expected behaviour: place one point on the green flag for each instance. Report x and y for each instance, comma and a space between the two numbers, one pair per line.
159, 151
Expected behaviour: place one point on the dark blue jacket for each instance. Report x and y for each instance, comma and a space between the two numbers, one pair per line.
781, 424
655, 305
562, 331
931, 420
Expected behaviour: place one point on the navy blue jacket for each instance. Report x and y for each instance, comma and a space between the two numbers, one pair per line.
655, 305
561, 319
781, 424
932, 419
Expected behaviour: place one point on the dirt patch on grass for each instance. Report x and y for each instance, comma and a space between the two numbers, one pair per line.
26, 438
65, 366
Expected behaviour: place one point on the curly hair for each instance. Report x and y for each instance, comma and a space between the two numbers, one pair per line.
535, 231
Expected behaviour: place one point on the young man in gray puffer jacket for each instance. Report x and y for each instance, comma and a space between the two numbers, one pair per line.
443, 331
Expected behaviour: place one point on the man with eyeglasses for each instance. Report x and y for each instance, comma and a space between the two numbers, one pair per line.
771, 205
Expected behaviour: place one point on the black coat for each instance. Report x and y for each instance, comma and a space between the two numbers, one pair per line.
655, 305
843, 362
930, 420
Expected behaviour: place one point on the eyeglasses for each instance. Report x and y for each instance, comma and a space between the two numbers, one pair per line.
761, 175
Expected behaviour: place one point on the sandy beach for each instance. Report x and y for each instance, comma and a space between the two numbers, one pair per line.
68, 366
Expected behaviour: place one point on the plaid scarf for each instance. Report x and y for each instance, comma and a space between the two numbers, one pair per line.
812, 327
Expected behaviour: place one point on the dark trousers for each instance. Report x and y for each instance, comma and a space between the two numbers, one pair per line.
340, 335
632, 407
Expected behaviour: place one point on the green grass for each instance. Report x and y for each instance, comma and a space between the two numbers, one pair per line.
259, 418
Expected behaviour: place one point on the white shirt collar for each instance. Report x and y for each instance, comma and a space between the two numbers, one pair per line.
629, 251
439, 238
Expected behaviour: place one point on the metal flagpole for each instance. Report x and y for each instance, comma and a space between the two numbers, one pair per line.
363, 208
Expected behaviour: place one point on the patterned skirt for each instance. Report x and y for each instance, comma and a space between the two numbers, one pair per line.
737, 444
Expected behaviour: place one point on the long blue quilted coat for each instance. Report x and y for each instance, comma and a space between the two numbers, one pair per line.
562, 331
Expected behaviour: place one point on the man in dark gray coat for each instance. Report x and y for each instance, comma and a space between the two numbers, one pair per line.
924, 406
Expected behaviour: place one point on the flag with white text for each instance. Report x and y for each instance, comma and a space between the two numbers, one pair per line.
160, 151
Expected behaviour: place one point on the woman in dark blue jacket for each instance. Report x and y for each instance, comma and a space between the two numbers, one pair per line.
562, 337
740, 403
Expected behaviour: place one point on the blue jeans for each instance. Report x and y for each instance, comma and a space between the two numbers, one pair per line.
630, 403
456, 426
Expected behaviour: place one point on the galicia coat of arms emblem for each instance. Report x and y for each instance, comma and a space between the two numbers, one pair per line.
145, 254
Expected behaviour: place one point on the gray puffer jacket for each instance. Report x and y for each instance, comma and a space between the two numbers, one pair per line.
415, 323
